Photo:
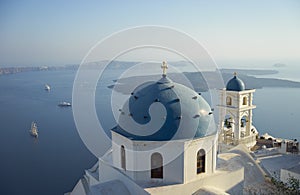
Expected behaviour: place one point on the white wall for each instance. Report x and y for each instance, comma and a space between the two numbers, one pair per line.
286, 174
78, 189
179, 158
117, 142
224, 181
138, 160
109, 173
209, 144
171, 152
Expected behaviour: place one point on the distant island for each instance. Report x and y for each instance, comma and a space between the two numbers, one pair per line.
122, 65
14, 70
200, 84
196, 78
249, 71
279, 65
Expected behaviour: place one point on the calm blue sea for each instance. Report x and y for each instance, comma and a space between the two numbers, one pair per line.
53, 163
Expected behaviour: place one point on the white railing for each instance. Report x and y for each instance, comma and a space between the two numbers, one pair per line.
228, 139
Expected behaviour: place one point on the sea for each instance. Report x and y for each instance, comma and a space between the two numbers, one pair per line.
56, 160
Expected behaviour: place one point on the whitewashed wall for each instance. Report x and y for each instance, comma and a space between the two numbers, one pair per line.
209, 144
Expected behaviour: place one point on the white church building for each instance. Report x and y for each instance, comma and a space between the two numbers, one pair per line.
177, 153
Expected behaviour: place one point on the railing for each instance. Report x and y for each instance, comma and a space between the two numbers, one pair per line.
229, 139
246, 139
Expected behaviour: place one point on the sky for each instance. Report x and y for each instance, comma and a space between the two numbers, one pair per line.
38, 33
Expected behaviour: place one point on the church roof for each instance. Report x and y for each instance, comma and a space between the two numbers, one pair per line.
113, 187
182, 112
235, 84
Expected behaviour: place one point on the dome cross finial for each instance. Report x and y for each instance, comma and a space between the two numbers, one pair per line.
235, 74
164, 67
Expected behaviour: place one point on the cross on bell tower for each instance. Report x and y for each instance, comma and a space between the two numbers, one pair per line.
164, 67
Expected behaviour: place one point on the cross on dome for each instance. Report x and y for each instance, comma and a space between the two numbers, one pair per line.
235, 74
164, 67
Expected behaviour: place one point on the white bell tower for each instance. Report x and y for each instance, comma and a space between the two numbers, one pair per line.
235, 109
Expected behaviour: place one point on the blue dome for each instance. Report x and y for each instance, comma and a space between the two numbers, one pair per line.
235, 84
182, 112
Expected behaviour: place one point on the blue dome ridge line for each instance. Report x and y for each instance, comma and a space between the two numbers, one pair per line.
235, 84
180, 111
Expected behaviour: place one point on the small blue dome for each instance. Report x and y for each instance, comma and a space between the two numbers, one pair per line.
183, 114
235, 84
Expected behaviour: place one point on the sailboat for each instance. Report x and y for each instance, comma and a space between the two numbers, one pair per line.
34, 131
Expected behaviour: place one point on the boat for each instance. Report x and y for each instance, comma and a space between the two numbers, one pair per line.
47, 87
34, 131
64, 104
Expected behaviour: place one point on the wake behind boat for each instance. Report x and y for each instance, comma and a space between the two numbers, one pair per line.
64, 104
34, 131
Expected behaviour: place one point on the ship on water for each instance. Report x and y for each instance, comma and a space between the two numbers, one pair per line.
64, 104
34, 131
47, 87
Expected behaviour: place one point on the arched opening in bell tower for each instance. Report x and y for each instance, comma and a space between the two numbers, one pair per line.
245, 101
228, 129
228, 101
244, 126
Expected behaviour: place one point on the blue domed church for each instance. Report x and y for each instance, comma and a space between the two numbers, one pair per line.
166, 134
166, 142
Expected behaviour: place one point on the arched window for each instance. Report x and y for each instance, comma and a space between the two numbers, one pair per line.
244, 121
156, 165
201, 161
228, 101
123, 158
244, 100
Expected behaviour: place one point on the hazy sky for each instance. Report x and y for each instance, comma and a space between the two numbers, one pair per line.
61, 32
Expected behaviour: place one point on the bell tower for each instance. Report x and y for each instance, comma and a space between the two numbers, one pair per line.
235, 114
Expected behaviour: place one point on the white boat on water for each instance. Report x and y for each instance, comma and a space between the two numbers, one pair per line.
64, 104
47, 87
34, 131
